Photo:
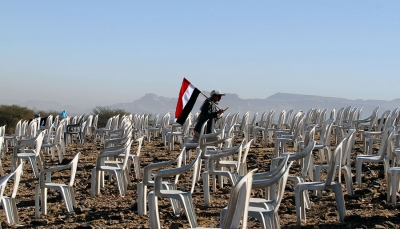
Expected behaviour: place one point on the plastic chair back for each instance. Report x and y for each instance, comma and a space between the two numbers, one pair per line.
238, 203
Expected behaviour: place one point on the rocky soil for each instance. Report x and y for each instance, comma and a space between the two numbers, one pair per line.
366, 209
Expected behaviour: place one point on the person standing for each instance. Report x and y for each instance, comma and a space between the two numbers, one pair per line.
209, 113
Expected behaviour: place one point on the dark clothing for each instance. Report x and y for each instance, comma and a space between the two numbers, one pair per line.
209, 113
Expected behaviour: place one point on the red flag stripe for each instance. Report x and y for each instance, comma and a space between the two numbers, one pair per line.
187, 97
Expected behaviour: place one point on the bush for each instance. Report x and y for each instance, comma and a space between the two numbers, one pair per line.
47, 113
106, 113
11, 114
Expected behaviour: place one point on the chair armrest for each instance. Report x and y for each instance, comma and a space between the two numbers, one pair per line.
115, 141
112, 148
47, 172
269, 174
149, 168
213, 143
263, 183
24, 143
210, 135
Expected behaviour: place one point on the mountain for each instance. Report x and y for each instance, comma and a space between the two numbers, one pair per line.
153, 104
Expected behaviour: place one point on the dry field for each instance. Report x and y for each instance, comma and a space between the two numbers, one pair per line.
366, 209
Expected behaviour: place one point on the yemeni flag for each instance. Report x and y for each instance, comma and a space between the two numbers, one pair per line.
186, 100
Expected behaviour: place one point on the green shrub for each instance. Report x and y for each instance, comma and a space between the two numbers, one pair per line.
106, 113
47, 113
11, 114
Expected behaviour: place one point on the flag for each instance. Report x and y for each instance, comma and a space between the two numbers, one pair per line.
186, 100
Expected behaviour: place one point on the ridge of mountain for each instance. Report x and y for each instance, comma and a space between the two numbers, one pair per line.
151, 103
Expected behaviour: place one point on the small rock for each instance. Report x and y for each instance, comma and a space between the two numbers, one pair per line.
176, 226
390, 224
332, 214
379, 226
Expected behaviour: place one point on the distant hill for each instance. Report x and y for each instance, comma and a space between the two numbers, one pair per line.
153, 104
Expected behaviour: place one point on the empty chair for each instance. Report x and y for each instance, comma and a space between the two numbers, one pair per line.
336, 187
387, 139
267, 124
66, 190
371, 136
154, 127
32, 154
100, 131
214, 166
148, 181
8, 202
266, 212
135, 158
345, 163
367, 124
242, 128
13, 138
119, 172
184, 197
324, 143
75, 129
237, 209
294, 137
184, 131
56, 141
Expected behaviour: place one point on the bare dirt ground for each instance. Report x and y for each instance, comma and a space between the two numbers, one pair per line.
366, 209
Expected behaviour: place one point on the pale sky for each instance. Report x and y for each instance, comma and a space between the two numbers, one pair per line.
105, 52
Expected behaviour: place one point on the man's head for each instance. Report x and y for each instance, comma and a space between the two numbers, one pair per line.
216, 95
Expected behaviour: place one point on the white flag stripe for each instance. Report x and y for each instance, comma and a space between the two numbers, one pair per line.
188, 93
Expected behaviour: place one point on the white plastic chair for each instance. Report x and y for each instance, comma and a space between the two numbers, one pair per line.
119, 172
101, 131
242, 128
266, 212
238, 204
367, 124
66, 190
75, 129
13, 138
345, 163
32, 154
185, 198
336, 187
153, 128
370, 137
8, 203
148, 181
135, 158
56, 141
212, 168
184, 131
324, 143
387, 139
267, 124
304, 157
294, 137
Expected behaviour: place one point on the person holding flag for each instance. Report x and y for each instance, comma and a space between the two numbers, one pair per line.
209, 112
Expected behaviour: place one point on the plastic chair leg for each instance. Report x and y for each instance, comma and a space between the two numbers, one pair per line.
206, 187
153, 211
141, 192
358, 171
341, 207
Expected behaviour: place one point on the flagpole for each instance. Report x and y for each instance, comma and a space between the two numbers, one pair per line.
212, 101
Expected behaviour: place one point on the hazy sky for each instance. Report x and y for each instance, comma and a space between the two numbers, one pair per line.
106, 52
